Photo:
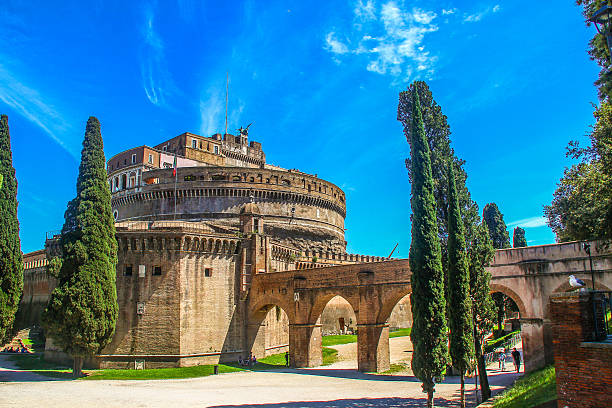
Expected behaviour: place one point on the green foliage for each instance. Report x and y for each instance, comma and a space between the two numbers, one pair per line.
598, 49
11, 263
82, 311
531, 390
492, 344
429, 330
461, 330
54, 266
480, 292
496, 225
582, 204
518, 238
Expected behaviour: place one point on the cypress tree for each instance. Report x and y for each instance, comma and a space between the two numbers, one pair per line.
518, 238
496, 225
429, 330
483, 307
460, 307
82, 311
11, 263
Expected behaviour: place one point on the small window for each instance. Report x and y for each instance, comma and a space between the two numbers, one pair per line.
252, 179
157, 270
133, 158
165, 148
151, 158
216, 149
194, 143
124, 162
128, 270
190, 178
208, 272
236, 178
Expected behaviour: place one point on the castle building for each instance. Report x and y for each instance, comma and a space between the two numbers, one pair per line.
196, 218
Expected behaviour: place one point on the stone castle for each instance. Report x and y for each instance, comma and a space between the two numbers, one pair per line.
196, 218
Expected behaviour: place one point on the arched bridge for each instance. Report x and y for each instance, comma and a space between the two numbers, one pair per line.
527, 275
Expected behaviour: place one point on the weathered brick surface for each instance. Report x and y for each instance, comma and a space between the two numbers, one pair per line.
583, 368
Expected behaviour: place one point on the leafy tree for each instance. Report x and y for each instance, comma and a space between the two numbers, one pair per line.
429, 331
82, 311
582, 204
483, 307
518, 238
598, 49
496, 225
11, 263
461, 331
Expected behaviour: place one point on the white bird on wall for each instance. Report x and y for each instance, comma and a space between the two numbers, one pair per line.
576, 282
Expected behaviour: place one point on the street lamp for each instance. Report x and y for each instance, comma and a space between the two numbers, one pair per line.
602, 20
587, 249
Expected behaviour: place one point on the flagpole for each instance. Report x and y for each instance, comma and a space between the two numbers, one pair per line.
226, 99
175, 180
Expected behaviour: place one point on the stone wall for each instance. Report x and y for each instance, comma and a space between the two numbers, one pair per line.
37, 287
583, 365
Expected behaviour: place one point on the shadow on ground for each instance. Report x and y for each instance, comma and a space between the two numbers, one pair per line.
352, 403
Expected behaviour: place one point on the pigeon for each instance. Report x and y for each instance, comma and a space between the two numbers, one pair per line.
576, 282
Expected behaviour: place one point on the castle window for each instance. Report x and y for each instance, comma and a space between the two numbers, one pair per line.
236, 178
128, 270
157, 270
252, 179
190, 178
124, 162
208, 272
165, 148
216, 149
194, 143
217, 177
150, 158
286, 182
133, 158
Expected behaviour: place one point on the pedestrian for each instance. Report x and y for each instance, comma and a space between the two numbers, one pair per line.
287, 359
502, 360
516, 358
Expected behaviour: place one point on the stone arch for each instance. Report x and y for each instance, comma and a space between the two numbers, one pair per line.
323, 298
497, 287
390, 299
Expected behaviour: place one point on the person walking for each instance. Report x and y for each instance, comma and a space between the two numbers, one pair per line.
287, 359
502, 360
516, 358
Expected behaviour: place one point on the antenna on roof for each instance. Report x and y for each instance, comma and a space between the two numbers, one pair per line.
226, 99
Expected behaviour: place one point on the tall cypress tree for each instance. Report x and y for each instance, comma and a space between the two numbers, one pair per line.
11, 263
518, 238
460, 308
429, 329
82, 311
496, 225
483, 307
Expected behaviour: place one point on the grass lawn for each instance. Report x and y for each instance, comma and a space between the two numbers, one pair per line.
352, 338
159, 373
395, 368
36, 364
276, 361
530, 390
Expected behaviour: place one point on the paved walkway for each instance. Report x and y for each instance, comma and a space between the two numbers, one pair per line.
335, 386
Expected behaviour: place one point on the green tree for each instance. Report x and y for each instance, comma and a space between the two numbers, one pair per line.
461, 331
598, 50
82, 311
11, 263
518, 238
429, 331
483, 307
582, 204
496, 225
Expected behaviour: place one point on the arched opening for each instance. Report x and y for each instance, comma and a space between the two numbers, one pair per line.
336, 325
268, 331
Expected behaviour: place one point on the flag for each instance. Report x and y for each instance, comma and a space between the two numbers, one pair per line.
174, 167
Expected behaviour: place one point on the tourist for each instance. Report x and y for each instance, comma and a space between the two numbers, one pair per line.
502, 360
287, 359
516, 358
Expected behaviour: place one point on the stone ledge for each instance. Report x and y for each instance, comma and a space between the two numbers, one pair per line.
596, 344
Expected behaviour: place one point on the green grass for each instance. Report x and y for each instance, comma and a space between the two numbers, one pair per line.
276, 361
159, 373
395, 368
352, 338
530, 390
493, 344
36, 364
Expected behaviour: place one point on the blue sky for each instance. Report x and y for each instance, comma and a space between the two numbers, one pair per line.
320, 81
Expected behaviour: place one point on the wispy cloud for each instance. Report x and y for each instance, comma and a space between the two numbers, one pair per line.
156, 79
533, 222
390, 43
30, 104
477, 16
212, 108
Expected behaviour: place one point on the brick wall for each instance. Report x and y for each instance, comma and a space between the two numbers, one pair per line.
583, 367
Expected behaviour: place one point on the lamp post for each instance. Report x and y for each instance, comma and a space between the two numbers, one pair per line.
603, 23
587, 249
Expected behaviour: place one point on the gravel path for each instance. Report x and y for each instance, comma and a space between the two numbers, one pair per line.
337, 386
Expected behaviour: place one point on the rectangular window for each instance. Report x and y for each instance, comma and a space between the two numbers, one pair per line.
194, 143
216, 149
128, 270
157, 270
133, 158
151, 158
208, 272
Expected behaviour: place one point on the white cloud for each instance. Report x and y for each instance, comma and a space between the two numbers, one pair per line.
212, 109
479, 15
28, 103
392, 43
533, 222
335, 46
449, 11
156, 79
496, 8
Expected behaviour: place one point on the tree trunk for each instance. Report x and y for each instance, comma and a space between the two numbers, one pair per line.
485, 391
77, 367
430, 401
462, 389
